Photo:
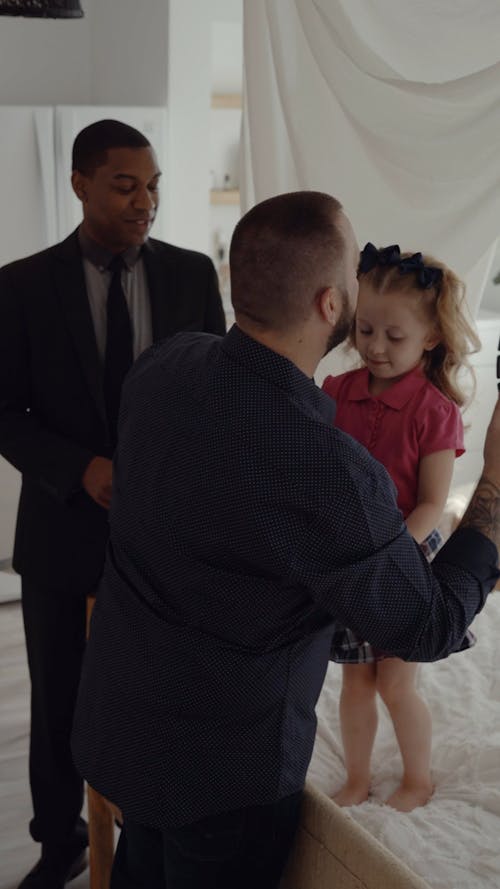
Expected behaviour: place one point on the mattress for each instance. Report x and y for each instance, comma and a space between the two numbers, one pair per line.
454, 841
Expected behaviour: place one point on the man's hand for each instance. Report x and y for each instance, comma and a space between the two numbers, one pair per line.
97, 480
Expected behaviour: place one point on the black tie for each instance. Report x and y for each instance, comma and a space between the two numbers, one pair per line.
119, 349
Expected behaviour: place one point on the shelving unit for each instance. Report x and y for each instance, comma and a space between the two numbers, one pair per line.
225, 201
226, 100
231, 102
224, 196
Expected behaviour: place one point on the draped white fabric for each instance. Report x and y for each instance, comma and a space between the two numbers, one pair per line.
393, 106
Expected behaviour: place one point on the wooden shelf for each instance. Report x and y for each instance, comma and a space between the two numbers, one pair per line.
226, 100
224, 196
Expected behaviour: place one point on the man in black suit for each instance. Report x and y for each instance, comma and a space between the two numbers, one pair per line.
72, 320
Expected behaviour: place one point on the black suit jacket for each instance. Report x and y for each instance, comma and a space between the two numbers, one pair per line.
52, 417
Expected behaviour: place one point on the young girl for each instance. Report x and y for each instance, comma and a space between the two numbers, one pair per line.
403, 406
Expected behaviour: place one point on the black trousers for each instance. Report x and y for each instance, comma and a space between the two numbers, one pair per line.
54, 624
242, 849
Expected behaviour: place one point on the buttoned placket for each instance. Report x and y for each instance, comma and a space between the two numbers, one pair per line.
375, 413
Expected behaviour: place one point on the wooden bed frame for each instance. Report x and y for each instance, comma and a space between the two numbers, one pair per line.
331, 851
334, 852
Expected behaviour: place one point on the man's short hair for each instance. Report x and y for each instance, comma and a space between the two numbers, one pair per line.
93, 142
283, 252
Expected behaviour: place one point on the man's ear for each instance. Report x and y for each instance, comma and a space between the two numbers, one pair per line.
78, 182
329, 305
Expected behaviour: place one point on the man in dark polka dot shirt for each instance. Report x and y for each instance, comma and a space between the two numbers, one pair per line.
244, 529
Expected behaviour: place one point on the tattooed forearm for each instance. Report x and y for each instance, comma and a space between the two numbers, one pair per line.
483, 512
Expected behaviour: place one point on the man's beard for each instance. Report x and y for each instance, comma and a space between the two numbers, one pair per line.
342, 327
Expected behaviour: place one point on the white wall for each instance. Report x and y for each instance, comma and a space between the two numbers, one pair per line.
225, 127
45, 61
129, 52
188, 104
204, 56
115, 55
226, 10
227, 56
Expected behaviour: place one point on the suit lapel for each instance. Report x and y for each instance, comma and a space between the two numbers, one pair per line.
72, 292
161, 275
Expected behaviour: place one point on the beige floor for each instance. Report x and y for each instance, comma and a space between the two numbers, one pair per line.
10, 584
17, 851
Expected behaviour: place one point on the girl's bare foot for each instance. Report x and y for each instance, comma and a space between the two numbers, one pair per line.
410, 796
351, 794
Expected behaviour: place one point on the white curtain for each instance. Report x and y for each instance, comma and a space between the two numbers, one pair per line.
393, 106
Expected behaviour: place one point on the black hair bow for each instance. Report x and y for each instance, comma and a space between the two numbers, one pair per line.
370, 257
427, 276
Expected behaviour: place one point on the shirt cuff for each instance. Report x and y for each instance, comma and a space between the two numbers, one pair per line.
475, 553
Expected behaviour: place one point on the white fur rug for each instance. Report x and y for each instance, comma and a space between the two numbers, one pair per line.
454, 841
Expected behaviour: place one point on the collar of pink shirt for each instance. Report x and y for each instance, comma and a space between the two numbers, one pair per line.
396, 396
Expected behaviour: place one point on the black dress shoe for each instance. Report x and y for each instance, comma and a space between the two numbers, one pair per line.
56, 867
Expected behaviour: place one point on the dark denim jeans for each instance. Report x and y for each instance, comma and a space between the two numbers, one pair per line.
242, 849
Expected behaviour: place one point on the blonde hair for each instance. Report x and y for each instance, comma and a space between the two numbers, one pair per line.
445, 307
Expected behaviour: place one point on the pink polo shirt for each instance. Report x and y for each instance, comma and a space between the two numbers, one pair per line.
405, 423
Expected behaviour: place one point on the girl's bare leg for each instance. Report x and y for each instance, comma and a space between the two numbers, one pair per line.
358, 723
413, 727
